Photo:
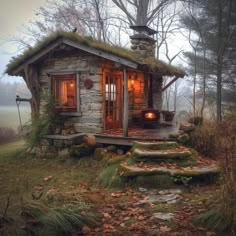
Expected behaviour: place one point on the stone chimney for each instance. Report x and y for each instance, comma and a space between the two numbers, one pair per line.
142, 43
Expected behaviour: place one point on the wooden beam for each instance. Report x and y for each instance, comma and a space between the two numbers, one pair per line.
169, 84
125, 104
71, 43
101, 53
36, 56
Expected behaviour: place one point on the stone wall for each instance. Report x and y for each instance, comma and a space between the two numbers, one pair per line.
137, 97
144, 47
91, 109
157, 94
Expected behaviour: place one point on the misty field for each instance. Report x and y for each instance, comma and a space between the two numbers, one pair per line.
9, 116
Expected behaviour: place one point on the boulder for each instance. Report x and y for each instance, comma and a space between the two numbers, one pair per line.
184, 138
186, 126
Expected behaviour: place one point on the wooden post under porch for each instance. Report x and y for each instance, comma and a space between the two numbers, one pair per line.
125, 103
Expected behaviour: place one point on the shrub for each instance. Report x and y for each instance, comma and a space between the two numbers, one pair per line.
7, 135
44, 220
203, 138
109, 176
43, 124
222, 215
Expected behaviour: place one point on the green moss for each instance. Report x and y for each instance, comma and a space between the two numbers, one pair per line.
153, 65
155, 146
110, 178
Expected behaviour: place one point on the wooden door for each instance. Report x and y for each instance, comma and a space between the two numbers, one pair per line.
113, 101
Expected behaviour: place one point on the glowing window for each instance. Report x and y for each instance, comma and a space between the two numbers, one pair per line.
64, 92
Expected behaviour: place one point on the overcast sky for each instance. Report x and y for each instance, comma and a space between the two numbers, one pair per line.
13, 14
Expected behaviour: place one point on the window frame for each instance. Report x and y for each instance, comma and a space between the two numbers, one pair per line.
60, 75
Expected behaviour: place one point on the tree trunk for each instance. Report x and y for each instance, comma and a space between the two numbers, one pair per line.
219, 65
32, 81
204, 81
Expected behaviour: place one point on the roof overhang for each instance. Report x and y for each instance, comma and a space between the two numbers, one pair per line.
97, 52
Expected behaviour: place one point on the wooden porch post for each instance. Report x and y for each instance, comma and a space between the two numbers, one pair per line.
125, 104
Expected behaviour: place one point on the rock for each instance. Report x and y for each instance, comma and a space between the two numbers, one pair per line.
160, 155
44, 148
183, 138
58, 130
63, 152
45, 142
58, 143
129, 170
111, 148
168, 198
140, 189
164, 216
186, 126
174, 135
155, 145
120, 151
170, 191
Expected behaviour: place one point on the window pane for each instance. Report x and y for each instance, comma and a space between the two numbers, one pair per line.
64, 91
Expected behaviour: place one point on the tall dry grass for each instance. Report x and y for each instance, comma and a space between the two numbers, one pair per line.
219, 141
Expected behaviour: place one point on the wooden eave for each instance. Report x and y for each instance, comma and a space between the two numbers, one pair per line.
100, 53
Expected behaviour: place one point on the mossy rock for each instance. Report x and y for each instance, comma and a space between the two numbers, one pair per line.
184, 138
155, 145
160, 155
126, 171
116, 159
154, 181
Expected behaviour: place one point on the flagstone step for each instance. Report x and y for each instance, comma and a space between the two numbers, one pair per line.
165, 145
161, 155
132, 170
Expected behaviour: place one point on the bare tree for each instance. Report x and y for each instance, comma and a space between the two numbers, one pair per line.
141, 12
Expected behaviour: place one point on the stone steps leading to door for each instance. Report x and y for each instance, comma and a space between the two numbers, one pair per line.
161, 155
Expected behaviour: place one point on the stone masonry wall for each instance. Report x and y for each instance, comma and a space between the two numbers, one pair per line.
90, 120
157, 94
144, 47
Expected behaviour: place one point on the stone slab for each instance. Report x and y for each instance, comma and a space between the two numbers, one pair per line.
129, 170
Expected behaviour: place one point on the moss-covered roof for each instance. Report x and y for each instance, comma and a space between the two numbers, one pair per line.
152, 65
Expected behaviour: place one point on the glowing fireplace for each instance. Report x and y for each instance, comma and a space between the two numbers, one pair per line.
150, 118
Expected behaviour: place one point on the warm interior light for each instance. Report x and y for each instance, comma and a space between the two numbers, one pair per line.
150, 115
132, 82
72, 84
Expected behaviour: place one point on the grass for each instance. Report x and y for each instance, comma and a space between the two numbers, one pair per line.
110, 178
22, 178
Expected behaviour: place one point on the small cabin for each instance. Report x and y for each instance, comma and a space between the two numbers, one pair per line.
97, 88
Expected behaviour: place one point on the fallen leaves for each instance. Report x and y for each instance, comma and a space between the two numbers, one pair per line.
48, 178
165, 229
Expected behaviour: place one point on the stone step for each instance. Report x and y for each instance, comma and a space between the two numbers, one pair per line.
164, 145
161, 155
132, 171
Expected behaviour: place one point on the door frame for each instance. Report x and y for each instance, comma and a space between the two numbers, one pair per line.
118, 73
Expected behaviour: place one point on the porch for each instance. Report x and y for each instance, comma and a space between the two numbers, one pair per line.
115, 136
